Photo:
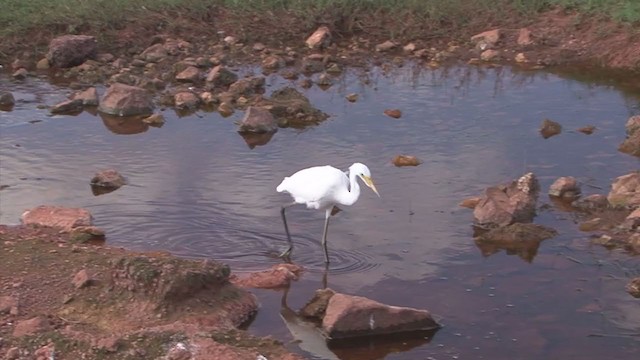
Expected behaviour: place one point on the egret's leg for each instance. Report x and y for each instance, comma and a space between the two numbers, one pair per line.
324, 236
287, 252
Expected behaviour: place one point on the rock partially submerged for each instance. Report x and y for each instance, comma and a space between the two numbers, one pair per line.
292, 108
6, 99
565, 187
631, 145
633, 287
89, 97
625, 191
63, 218
278, 276
73, 106
108, 180
71, 50
406, 160
258, 120
507, 204
126, 100
349, 316
520, 239
550, 128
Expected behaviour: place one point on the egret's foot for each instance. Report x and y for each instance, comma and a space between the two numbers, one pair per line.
286, 254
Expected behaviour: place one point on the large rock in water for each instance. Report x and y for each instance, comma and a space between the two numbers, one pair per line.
520, 239
292, 108
125, 100
258, 120
351, 316
631, 145
625, 191
507, 204
71, 50
63, 218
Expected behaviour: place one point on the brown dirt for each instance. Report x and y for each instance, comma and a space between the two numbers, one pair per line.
559, 37
135, 306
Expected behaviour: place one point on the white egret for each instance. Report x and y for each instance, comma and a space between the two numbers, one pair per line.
322, 188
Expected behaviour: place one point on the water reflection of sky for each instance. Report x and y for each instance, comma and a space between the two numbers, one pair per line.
198, 190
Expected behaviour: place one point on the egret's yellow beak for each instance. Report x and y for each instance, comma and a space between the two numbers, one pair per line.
369, 182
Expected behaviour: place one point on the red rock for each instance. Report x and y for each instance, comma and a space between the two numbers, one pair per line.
89, 97
317, 306
276, 277
20, 74
633, 287
191, 74
386, 46
109, 344
82, 279
632, 125
589, 129
631, 222
125, 100
550, 128
506, 204
406, 160
487, 39
394, 113
46, 352
71, 50
67, 107
7, 303
109, 178
186, 100
320, 38
350, 316
247, 86
31, 326
625, 191
524, 37
13, 353
179, 352
489, 55
156, 120
55, 216
470, 203
591, 202
258, 120
220, 76
272, 62
566, 186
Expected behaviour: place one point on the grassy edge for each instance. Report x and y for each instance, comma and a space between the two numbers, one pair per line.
71, 16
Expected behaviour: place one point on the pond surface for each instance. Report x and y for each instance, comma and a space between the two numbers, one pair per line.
198, 190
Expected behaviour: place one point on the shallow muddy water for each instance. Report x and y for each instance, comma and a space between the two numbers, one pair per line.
198, 190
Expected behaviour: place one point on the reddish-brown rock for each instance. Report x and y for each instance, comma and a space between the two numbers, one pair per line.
220, 76
71, 50
406, 160
566, 187
633, 287
277, 276
55, 216
186, 100
81, 279
191, 74
320, 38
550, 128
31, 326
7, 303
394, 113
350, 316
126, 100
108, 178
89, 97
67, 107
625, 191
487, 39
506, 204
524, 37
258, 120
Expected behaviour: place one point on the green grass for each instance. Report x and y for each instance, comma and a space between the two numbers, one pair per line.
68, 15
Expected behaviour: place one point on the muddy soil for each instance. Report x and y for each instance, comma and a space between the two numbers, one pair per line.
78, 301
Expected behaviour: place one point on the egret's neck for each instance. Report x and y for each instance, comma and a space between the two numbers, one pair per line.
350, 197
